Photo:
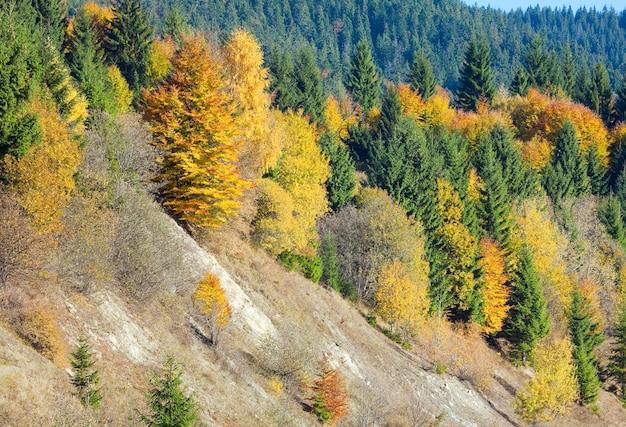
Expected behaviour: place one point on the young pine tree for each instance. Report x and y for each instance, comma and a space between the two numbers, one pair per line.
476, 84
362, 80
169, 406
85, 378
421, 77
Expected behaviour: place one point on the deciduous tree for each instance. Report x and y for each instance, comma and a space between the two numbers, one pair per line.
330, 394
495, 290
210, 299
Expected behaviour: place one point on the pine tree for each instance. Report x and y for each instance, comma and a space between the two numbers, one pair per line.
390, 113
537, 65
330, 274
619, 109
308, 83
86, 62
617, 360
568, 70
341, 186
282, 80
520, 84
421, 77
602, 97
129, 43
362, 80
169, 406
596, 172
527, 320
586, 336
51, 18
476, 83
566, 175
519, 178
610, 214
19, 76
176, 24
85, 378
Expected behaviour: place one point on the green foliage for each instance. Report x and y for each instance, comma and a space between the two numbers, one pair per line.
421, 77
85, 378
596, 172
619, 107
527, 320
19, 76
601, 100
539, 68
308, 84
282, 79
129, 43
520, 84
169, 406
341, 186
566, 175
610, 214
617, 360
311, 267
476, 83
51, 19
362, 80
586, 336
330, 269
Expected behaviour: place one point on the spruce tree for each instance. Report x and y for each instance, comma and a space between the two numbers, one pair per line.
566, 175
520, 84
527, 320
610, 214
537, 65
568, 70
476, 83
519, 178
596, 172
51, 19
85, 378
86, 62
20, 68
362, 80
342, 183
308, 83
129, 43
169, 406
421, 77
619, 109
602, 93
617, 360
586, 336
390, 114
282, 80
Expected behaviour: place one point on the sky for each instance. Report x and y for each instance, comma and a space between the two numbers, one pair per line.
507, 5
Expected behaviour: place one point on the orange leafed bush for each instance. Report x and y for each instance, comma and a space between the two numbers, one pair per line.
330, 395
210, 299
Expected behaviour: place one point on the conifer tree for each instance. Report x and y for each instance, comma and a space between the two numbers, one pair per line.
341, 186
19, 74
282, 80
129, 43
586, 336
610, 214
602, 95
527, 320
619, 109
617, 360
476, 83
568, 70
169, 406
519, 178
421, 77
85, 378
520, 84
537, 65
362, 80
390, 113
308, 83
596, 172
566, 175
86, 62
51, 19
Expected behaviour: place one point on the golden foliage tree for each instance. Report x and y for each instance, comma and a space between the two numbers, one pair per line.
495, 292
121, 90
330, 395
43, 177
191, 116
433, 112
210, 299
302, 173
554, 387
248, 83
399, 300
340, 115
161, 54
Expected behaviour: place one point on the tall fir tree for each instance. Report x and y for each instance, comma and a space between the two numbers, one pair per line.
519, 84
341, 186
619, 108
86, 61
390, 113
527, 321
476, 83
520, 179
20, 69
586, 336
537, 65
169, 405
568, 70
602, 94
51, 19
362, 80
129, 43
566, 175
282, 79
617, 360
610, 214
421, 77
86, 378
308, 83
596, 172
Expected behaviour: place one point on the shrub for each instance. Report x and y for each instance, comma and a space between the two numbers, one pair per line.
311, 268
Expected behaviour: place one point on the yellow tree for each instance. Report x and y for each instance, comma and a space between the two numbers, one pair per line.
210, 299
123, 94
330, 393
495, 292
399, 300
340, 115
554, 387
191, 116
248, 83
43, 178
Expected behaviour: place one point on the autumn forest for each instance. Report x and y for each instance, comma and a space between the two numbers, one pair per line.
462, 180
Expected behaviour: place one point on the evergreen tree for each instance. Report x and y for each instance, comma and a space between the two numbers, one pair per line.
537, 65
602, 94
86, 62
527, 320
169, 406
520, 84
568, 70
341, 185
617, 359
129, 43
51, 18
331, 275
620, 187
520, 179
583, 90
282, 80
566, 175
390, 113
596, 172
308, 80
19, 74
85, 378
619, 109
586, 336
176, 24
421, 77
476, 83
362, 80
610, 214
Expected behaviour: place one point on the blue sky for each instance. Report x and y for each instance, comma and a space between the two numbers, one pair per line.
507, 5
